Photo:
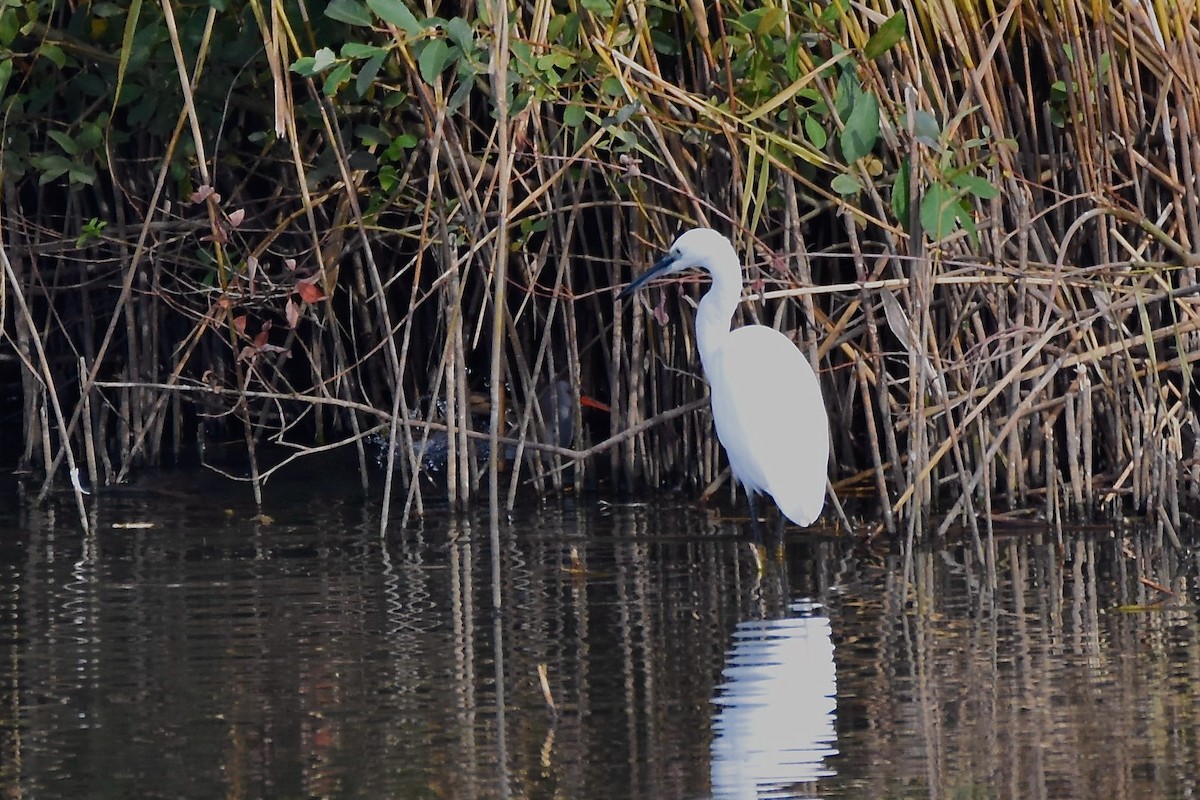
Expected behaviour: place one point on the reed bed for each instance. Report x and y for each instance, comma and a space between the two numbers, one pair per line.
977, 220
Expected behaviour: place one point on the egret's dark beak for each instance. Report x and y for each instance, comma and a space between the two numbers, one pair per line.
660, 266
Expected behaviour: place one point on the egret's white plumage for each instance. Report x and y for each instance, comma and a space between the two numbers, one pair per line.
766, 400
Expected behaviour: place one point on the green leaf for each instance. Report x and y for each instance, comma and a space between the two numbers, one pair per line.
522, 54
461, 33
848, 90
900, 193
980, 187
771, 19
6, 69
574, 115
90, 136
862, 127
81, 173
831, 14
403, 142
304, 66
664, 43
361, 50
925, 128
460, 95
626, 111
323, 59
371, 135
762, 21
397, 13
963, 214
351, 12
845, 184
336, 77
815, 132
555, 60
8, 29
54, 53
939, 211
601, 8
888, 35
65, 142
389, 178
433, 60
143, 110
52, 168
367, 75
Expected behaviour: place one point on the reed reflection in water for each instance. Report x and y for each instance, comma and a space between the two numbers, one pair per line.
222, 654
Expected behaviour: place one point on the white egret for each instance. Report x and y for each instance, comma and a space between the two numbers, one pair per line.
766, 400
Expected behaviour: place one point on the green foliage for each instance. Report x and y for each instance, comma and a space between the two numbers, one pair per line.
1063, 91
92, 229
395, 12
862, 127
61, 65
954, 187
888, 36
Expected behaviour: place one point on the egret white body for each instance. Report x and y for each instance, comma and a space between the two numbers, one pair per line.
766, 400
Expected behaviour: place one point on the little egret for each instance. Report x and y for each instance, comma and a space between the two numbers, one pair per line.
766, 401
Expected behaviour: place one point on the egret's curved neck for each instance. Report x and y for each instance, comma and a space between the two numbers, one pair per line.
718, 304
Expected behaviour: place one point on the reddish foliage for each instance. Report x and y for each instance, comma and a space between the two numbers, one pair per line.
310, 292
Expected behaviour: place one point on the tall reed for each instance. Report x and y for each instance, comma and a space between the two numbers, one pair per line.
976, 221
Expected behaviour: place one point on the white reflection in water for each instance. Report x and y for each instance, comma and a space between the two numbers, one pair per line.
777, 706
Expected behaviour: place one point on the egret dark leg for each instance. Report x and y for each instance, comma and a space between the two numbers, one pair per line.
753, 502
756, 546
778, 543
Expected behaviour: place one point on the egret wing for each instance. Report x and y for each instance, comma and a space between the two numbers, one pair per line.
771, 419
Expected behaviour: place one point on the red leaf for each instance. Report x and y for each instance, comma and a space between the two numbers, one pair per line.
218, 235
660, 313
251, 270
201, 194
310, 292
292, 312
260, 341
235, 219
239, 322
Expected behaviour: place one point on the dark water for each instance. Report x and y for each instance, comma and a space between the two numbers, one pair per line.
218, 655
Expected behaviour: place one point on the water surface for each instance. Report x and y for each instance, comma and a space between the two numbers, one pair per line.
220, 653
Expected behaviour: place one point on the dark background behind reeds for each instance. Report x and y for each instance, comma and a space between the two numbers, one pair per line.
263, 231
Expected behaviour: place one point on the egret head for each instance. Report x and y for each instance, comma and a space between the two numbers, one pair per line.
699, 247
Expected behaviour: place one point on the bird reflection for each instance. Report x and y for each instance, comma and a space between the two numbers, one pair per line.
774, 729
